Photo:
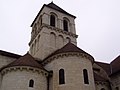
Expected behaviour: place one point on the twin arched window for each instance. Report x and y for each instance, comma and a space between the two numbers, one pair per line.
53, 22
61, 76
85, 75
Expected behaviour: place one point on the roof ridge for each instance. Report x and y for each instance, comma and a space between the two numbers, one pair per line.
69, 47
26, 60
9, 54
115, 59
115, 65
56, 7
102, 62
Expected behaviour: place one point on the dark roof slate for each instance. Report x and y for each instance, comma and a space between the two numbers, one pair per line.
105, 66
4, 53
69, 47
54, 6
112, 68
98, 77
26, 60
115, 65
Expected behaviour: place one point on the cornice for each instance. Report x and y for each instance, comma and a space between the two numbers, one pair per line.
60, 30
101, 82
54, 29
62, 55
24, 68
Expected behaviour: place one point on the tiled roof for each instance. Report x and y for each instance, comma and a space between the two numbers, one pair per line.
69, 47
53, 6
99, 78
115, 65
26, 60
4, 53
112, 68
105, 66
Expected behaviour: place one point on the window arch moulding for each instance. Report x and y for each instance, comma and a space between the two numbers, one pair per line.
53, 19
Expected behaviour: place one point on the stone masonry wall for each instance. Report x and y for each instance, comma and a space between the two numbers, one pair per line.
4, 60
73, 67
19, 80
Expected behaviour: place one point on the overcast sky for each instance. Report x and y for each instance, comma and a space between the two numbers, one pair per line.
97, 24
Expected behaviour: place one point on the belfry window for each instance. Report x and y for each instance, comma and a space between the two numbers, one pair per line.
85, 75
31, 83
61, 76
52, 20
65, 25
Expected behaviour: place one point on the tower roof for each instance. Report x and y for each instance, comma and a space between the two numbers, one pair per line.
55, 7
26, 60
69, 47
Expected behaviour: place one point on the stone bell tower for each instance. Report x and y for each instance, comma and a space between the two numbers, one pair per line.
52, 28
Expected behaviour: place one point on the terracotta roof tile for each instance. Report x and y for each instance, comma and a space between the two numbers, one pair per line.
26, 60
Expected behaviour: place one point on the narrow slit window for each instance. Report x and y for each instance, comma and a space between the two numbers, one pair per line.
61, 76
85, 75
31, 83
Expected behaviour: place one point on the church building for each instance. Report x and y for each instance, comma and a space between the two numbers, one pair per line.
54, 62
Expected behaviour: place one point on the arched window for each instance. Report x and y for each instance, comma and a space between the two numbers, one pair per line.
65, 25
68, 39
52, 20
85, 75
31, 83
61, 76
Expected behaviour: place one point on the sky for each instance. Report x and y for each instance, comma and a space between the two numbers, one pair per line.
97, 24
